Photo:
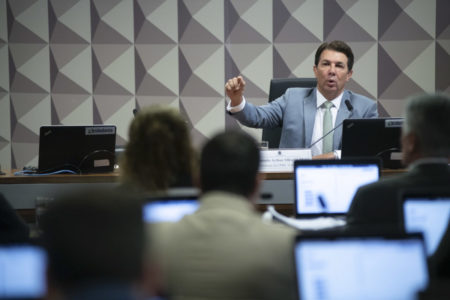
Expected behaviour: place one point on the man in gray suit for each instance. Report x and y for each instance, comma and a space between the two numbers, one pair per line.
426, 150
304, 114
224, 250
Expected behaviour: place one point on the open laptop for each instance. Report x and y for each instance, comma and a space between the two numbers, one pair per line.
428, 212
373, 137
169, 208
327, 187
360, 266
22, 272
80, 149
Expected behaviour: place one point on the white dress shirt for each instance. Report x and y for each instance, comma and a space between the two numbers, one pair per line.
318, 122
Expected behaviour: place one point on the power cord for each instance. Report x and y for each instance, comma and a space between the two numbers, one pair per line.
34, 173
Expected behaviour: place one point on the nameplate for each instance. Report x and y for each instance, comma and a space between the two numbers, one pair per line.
282, 160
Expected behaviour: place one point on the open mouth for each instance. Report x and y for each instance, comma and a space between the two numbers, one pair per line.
331, 83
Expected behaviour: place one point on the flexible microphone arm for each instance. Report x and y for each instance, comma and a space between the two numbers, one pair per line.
350, 108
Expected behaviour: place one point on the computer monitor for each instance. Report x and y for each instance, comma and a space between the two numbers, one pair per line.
80, 149
22, 272
360, 266
373, 137
428, 212
169, 208
327, 187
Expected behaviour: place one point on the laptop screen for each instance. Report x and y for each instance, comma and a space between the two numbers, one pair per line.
360, 267
428, 215
170, 209
77, 148
378, 137
327, 187
22, 272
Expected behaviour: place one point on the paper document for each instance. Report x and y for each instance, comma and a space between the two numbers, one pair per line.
282, 160
306, 224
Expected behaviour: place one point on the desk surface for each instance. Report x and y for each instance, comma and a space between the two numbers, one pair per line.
10, 178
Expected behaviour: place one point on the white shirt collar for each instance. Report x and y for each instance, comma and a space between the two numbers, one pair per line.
321, 99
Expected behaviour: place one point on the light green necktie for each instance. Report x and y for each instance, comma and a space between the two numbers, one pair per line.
327, 144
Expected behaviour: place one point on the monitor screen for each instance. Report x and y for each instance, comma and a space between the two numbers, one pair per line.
22, 272
327, 187
360, 268
428, 216
169, 209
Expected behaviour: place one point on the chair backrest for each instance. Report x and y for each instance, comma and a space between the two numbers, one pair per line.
277, 88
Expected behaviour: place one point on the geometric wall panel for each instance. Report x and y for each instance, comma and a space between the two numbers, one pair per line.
442, 62
201, 79
406, 51
249, 50
112, 54
29, 77
93, 61
5, 125
442, 65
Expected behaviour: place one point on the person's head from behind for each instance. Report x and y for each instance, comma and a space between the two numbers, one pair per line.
159, 153
426, 129
333, 64
230, 163
93, 237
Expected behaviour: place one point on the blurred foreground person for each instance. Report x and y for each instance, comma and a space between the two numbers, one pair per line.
95, 244
426, 152
159, 154
224, 250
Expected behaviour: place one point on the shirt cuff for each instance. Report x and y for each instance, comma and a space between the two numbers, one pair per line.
237, 108
337, 154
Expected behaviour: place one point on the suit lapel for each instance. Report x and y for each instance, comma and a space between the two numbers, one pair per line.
309, 116
342, 114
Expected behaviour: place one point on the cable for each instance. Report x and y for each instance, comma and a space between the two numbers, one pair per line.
33, 173
382, 152
92, 153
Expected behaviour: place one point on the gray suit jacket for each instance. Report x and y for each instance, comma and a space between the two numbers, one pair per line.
225, 251
295, 112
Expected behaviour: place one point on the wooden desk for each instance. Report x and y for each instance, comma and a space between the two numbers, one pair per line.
277, 189
290, 175
23, 190
10, 178
113, 177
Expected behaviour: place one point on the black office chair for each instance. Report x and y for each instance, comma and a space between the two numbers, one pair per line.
277, 88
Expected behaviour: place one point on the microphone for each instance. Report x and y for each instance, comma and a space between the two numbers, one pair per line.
350, 109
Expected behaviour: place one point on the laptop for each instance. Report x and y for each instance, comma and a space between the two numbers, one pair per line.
373, 137
169, 208
22, 272
428, 212
326, 187
79, 149
360, 266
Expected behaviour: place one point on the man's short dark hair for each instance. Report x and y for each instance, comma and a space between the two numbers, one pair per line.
94, 236
427, 117
338, 46
230, 162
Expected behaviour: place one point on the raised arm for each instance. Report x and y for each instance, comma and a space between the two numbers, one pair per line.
234, 89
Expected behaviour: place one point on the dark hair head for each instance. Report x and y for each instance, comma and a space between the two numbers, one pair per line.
230, 162
94, 236
159, 153
338, 46
427, 117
